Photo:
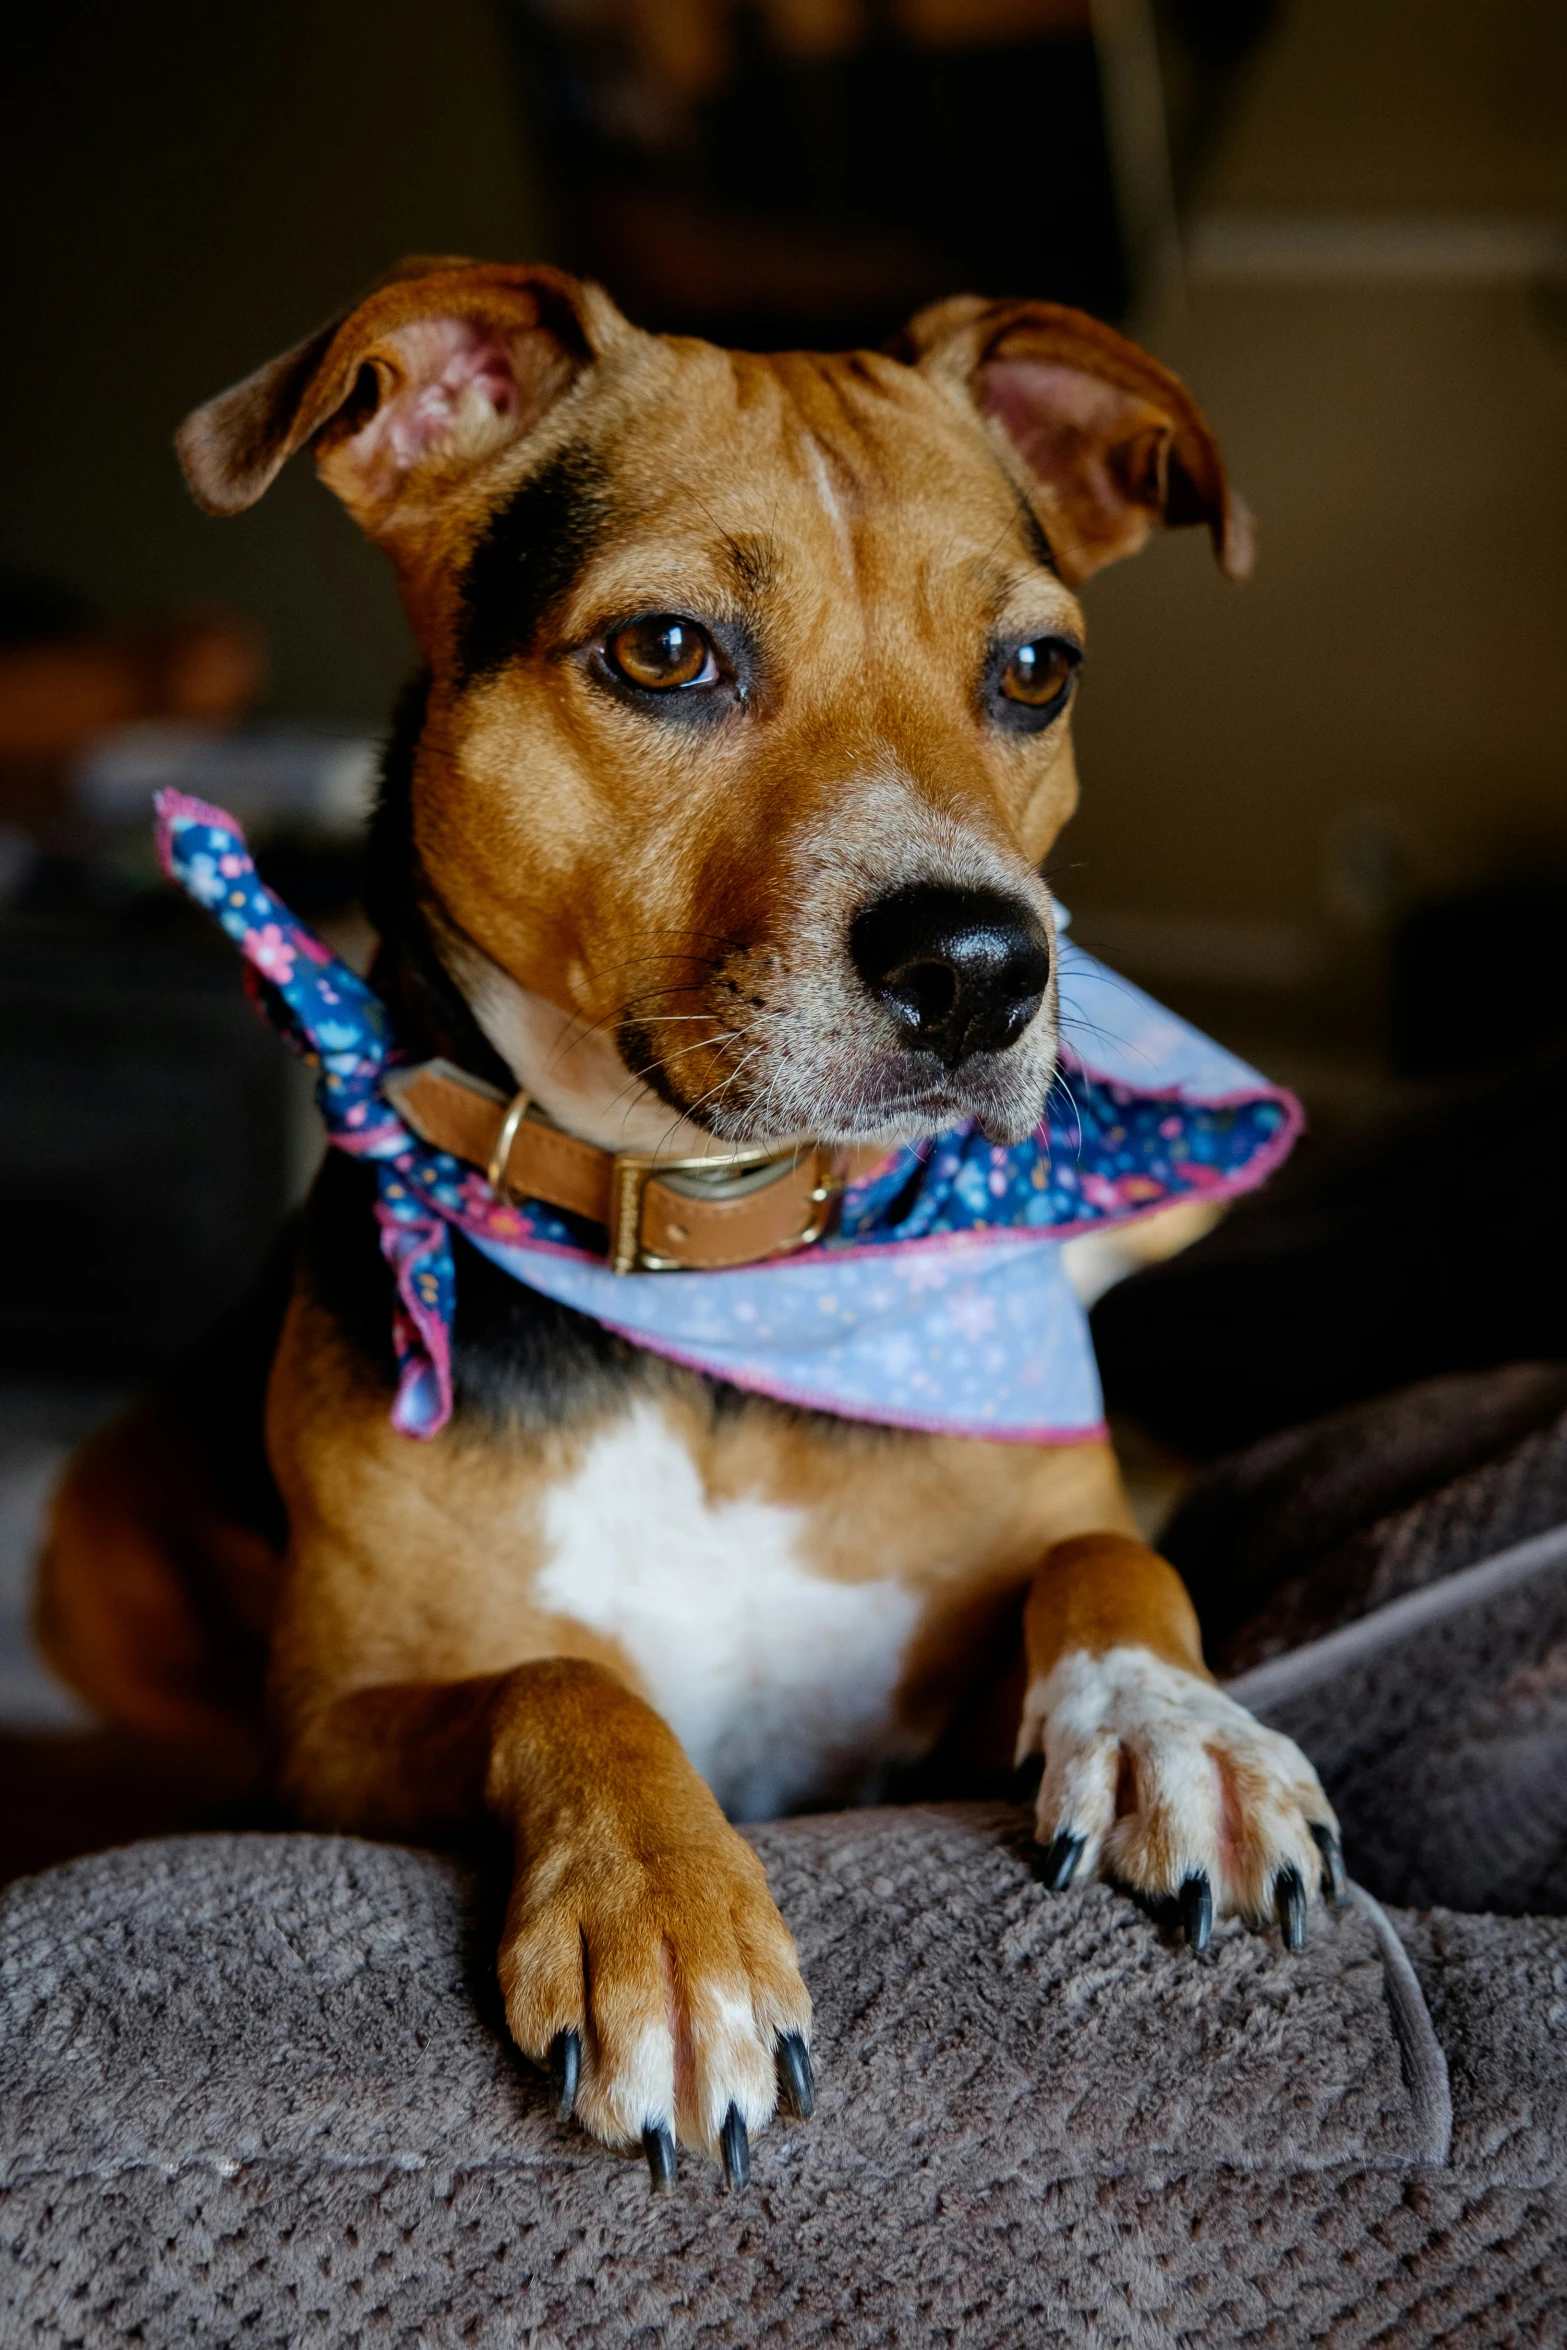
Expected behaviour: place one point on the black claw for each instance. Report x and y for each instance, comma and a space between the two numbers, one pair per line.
565, 2069
1059, 1865
658, 2145
1289, 1902
1196, 1900
795, 2077
1333, 1879
736, 2149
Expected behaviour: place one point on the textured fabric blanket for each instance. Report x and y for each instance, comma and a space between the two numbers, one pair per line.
1390, 1585
255, 2090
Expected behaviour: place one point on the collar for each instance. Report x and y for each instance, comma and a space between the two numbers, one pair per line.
660, 1215
919, 1290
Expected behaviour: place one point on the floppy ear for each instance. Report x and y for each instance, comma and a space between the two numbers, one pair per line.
443, 363
1115, 441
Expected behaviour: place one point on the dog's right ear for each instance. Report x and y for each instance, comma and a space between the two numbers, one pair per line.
442, 365
1113, 442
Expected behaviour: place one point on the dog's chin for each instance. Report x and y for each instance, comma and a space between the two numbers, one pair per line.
896, 1100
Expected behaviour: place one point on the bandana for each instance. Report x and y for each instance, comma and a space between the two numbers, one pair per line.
939, 1301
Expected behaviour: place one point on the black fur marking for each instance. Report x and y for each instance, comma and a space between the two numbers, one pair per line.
221, 1387
532, 549
341, 1266
519, 1360
1038, 544
429, 1011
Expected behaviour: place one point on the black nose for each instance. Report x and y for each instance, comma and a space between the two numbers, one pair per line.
964, 970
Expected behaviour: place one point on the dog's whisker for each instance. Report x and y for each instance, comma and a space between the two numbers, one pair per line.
702, 1044
724, 1086
683, 1052
636, 1076
582, 1034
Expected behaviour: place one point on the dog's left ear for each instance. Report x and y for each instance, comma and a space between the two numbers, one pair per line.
1115, 441
441, 366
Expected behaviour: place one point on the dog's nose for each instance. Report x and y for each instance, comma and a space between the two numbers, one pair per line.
964, 970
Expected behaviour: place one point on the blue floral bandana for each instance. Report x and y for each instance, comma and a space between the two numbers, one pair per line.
939, 1301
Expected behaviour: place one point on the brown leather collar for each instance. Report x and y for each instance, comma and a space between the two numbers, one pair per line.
661, 1215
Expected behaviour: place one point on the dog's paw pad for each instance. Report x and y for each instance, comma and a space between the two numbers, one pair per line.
1154, 1777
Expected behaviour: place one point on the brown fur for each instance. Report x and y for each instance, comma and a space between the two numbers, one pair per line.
649, 919
153, 1602
1101, 1591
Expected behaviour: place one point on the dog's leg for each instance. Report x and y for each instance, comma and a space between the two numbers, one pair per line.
153, 1599
1151, 1774
643, 1959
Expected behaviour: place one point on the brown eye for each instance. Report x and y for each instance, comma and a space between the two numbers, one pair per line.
660, 653
1039, 674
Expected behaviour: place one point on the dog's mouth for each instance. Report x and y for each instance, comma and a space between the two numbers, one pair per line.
929, 1006
942, 1011
851, 1098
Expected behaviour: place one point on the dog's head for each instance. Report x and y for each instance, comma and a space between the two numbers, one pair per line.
749, 717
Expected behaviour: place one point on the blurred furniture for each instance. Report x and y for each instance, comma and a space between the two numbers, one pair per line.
65, 679
1428, 1241
782, 173
145, 1130
151, 1131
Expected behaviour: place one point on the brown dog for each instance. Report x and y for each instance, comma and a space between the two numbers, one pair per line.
725, 654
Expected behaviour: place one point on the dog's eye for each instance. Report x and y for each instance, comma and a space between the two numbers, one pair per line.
1038, 674
662, 652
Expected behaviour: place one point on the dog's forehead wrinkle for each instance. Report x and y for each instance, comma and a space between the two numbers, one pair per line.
830, 496
875, 442
833, 513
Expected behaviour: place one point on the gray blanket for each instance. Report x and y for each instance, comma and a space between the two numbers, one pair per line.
1423, 1540
256, 2088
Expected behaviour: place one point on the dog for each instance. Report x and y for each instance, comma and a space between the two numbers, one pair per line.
714, 831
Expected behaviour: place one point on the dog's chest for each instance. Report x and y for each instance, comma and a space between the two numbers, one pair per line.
779, 1680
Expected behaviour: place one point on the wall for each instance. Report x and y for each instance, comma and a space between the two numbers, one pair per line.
1392, 684
191, 188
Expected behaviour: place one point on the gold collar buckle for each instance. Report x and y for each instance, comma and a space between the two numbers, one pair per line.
631, 1174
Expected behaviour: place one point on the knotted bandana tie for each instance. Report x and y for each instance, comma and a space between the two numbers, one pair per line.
938, 1302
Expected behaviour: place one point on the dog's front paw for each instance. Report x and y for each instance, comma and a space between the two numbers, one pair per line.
1154, 1777
658, 1983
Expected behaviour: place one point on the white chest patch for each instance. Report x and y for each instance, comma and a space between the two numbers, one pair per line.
777, 1682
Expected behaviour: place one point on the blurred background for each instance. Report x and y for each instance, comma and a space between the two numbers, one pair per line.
1323, 815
